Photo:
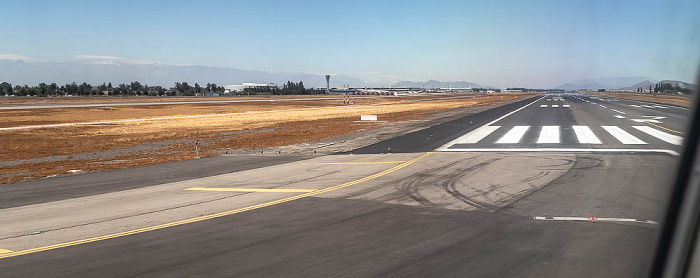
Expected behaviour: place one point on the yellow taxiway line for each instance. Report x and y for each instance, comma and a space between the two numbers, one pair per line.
211, 216
268, 190
354, 163
661, 127
5, 251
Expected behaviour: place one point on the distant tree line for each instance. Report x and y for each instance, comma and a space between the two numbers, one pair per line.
667, 88
291, 88
106, 89
137, 89
184, 89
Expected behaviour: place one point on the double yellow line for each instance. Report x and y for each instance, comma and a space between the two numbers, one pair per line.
210, 216
664, 128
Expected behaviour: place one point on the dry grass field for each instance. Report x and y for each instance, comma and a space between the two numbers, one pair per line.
46, 151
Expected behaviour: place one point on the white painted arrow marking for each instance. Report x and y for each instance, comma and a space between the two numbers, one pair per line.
647, 121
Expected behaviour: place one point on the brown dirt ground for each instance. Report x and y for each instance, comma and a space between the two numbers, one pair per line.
9, 118
267, 129
105, 99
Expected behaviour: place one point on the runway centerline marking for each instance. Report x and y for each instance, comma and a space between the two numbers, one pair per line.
263, 190
215, 215
618, 111
353, 163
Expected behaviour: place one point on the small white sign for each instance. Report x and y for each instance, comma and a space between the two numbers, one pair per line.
368, 117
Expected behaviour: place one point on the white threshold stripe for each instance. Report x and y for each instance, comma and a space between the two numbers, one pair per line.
585, 135
555, 105
618, 111
623, 136
549, 135
663, 136
566, 106
513, 135
563, 150
543, 106
449, 144
476, 135
594, 219
619, 116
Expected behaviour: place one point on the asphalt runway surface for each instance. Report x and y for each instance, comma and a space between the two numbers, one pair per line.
527, 190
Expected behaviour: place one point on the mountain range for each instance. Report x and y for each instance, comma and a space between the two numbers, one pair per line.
33, 73
115, 71
621, 83
604, 83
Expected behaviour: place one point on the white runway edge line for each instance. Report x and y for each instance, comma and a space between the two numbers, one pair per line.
449, 144
593, 219
564, 150
585, 135
663, 136
549, 135
623, 136
514, 135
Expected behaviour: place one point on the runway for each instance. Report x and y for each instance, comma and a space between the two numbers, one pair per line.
526, 189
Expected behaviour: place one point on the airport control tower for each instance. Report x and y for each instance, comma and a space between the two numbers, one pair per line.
328, 83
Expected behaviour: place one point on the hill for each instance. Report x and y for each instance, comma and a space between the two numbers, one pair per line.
644, 85
602, 83
681, 84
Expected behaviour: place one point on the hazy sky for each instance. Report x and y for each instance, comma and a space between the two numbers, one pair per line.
498, 43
